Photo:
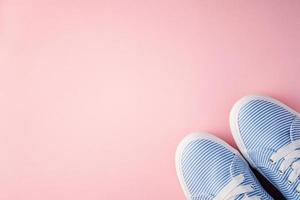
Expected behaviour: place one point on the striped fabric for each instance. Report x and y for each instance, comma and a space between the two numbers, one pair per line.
206, 167
265, 126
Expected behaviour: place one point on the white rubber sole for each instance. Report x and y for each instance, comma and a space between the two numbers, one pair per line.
180, 148
234, 121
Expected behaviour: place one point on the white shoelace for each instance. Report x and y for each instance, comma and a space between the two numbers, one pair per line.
235, 188
290, 155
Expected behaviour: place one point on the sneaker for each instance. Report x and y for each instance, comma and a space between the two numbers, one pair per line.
210, 169
267, 133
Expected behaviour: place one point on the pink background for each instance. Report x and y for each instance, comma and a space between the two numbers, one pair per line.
95, 95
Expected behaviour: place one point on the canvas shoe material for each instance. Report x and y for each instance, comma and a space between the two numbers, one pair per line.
267, 133
210, 169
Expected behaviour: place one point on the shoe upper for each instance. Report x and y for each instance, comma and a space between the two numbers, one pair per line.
205, 166
261, 127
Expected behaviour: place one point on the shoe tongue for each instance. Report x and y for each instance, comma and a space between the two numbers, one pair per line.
295, 129
237, 166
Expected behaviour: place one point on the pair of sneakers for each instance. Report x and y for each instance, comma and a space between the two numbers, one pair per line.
267, 133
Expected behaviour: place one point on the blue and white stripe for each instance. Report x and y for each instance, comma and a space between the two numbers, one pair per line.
205, 166
265, 125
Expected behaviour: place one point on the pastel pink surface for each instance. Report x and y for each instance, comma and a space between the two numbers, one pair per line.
95, 95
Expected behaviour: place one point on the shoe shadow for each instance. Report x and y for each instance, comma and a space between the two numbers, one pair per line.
268, 186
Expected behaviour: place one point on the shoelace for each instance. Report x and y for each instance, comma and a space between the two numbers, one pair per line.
235, 188
291, 158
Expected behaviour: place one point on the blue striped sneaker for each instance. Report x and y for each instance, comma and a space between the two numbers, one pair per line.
210, 169
267, 133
